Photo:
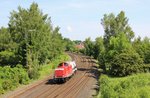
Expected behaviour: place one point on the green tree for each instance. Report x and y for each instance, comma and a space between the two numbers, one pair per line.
89, 47
38, 42
146, 45
98, 47
30, 29
142, 47
120, 57
117, 45
126, 63
5, 39
8, 49
99, 52
77, 41
113, 25
58, 45
69, 45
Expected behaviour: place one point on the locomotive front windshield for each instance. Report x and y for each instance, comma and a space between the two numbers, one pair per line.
65, 64
61, 64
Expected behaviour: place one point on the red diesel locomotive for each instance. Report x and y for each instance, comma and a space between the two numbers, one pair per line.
64, 71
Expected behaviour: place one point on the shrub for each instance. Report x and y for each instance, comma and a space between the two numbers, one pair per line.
135, 86
1, 89
7, 84
33, 73
125, 64
10, 78
8, 58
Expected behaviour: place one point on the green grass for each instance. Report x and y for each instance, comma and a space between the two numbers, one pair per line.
135, 86
48, 69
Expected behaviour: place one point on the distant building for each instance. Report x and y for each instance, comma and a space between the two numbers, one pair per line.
80, 45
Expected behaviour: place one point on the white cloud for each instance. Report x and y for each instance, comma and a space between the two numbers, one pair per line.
69, 29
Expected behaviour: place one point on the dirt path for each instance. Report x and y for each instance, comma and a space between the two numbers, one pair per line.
82, 85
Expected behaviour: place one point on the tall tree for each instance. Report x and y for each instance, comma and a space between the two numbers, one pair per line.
120, 56
38, 42
113, 25
30, 29
58, 45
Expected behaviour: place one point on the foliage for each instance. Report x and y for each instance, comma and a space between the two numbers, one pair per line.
7, 48
113, 25
99, 48
119, 44
99, 52
142, 47
89, 47
30, 40
117, 38
126, 64
69, 45
37, 40
5, 40
25, 29
33, 73
58, 45
10, 78
77, 41
122, 58
122, 87
118, 54
8, 58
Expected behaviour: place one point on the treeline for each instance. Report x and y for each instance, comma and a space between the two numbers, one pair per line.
119, 53
29, 40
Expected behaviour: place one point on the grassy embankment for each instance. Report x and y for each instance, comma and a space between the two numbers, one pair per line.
134, 86
11, 78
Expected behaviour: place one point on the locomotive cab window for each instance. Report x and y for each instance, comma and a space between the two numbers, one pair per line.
61, 64
65, 64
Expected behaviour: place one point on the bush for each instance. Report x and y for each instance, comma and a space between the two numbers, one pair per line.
1, 89
33, 73
7, 84
126, 64
10, 78
8, 58
135, 86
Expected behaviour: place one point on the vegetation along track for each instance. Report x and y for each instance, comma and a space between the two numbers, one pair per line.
81, 85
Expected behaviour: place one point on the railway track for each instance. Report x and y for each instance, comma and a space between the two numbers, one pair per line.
79, 86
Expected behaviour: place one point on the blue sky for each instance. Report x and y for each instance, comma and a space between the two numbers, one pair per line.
79, 19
